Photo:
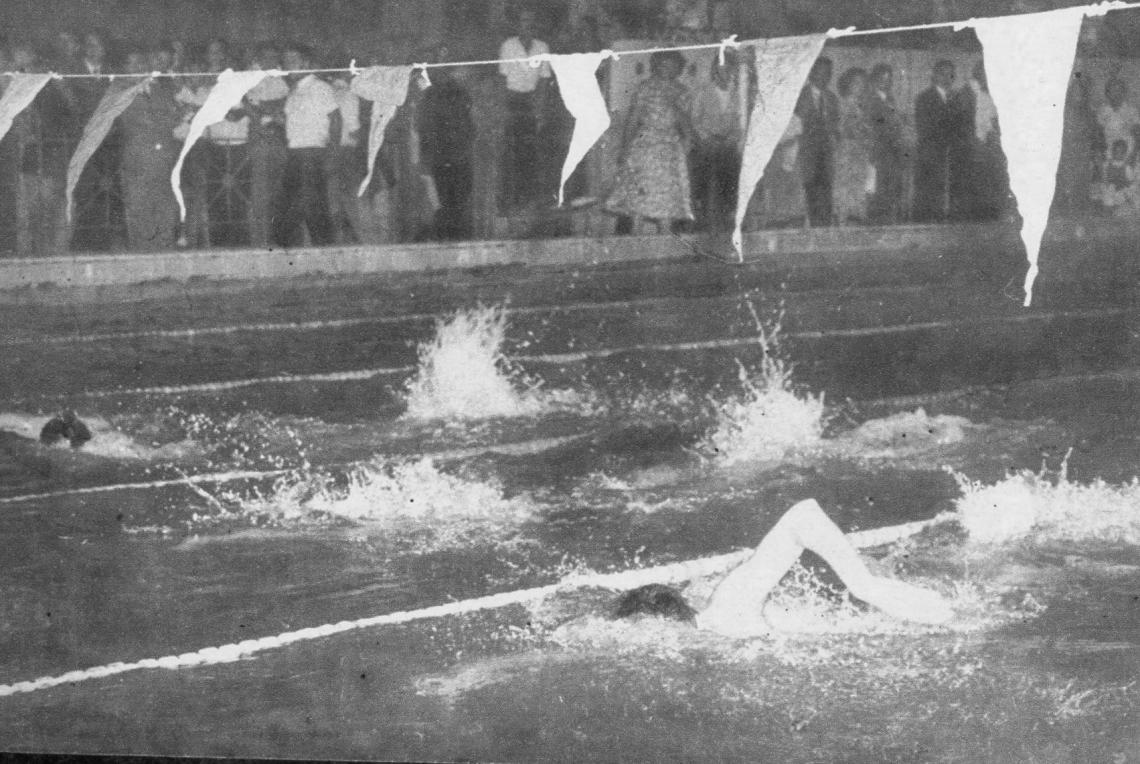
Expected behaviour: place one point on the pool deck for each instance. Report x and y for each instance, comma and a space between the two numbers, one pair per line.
1072, 249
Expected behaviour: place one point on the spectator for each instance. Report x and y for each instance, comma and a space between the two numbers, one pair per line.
854, 172
818, 110
1119, 120
265, 107
782, 201
653, 177
36, 199
887, 148
936, 123
978, 184
526, 100
149, 153
68, 53
225, 153
446, 134
312, 125
718, 124
96, 194
487, 111
1118, 192
353, 218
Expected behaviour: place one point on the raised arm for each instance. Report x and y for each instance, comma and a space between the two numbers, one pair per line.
736, 606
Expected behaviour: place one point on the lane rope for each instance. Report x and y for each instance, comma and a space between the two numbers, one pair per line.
343, 323
518, 448
629, 579
586, 355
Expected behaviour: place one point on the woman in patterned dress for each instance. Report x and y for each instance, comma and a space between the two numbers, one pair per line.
653, 178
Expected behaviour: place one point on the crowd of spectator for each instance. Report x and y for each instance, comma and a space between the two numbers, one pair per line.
485, 143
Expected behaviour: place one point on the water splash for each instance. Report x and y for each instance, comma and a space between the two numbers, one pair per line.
1039, 508
771, 418
463, 373
414, 499
904, 433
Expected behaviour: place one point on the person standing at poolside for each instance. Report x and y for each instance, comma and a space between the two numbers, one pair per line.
653, 177
312, 126
526, 87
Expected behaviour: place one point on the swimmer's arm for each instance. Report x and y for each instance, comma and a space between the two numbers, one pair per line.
736, 606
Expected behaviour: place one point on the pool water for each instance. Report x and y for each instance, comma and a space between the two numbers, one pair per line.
512, 445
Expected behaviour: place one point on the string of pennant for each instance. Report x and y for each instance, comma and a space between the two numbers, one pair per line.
1092, 9
1031, 117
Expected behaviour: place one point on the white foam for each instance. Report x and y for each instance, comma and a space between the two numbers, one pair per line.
1038, 509
463, 373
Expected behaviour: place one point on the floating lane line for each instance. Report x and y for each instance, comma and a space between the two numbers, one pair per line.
586, 355
520, 448
317, 325
628, 579
344, 323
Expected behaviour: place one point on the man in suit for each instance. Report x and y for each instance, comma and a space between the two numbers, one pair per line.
888, 148
937, 124
818, 110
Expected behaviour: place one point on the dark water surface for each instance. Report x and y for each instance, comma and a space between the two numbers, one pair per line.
612, 474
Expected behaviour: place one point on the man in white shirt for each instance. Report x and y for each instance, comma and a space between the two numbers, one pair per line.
526, 103
312, 126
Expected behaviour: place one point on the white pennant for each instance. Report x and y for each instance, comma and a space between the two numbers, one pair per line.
578, 84
782, 66
21, 90
387, 88
225, 95
1029, 59
114, 102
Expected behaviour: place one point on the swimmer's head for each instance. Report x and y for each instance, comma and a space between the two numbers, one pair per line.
654, 600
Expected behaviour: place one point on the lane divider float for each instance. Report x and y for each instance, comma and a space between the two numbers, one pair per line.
629, 579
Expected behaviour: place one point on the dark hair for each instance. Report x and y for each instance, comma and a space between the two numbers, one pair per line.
661, 57
943, 64
656, 600
848, 77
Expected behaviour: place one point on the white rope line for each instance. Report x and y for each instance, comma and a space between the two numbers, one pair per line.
557, 358
629, 579
1093, 9
283, 379
316, 325
517, 448
193, 480
342, 323
584, 355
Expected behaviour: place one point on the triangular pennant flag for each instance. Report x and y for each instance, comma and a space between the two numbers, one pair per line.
22, 89
578, 84
782, 66
114, 102
387, 88
225, 95
1029, 59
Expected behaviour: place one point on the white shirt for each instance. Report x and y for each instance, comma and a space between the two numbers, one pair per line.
521, 76
307, 112
1118, 124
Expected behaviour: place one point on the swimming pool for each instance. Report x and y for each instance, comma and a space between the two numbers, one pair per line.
255, 472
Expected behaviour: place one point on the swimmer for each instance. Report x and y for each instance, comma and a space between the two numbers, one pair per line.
65, 425
736, 606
